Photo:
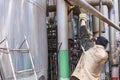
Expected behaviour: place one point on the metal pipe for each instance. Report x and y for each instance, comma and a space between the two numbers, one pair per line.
51, 8
114, 69
104, 2
111, 34
100, 9
116, 12
113, 15
95, 22
63, 61
96, 13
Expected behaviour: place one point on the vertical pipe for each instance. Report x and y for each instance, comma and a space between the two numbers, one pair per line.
100, 9
62, 20
92, 10
115, 68
106, 34
115, 72
97, 23
117, 17
116, 12
111, 36
70, 30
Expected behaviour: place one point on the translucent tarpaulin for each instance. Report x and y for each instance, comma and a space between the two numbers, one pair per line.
20, 18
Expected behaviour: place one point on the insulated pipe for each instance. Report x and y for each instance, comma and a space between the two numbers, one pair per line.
108, 3
96, 23
62, 20
96, 13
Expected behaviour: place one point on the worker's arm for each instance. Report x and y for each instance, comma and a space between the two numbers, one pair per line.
85, 34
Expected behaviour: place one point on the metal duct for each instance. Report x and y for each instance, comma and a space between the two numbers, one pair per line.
21, 18
109, 3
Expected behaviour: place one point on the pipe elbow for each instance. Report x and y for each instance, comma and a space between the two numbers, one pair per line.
108, 3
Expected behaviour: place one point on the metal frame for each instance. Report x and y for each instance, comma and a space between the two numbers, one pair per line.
8, 51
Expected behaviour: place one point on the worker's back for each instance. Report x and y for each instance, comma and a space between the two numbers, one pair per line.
91, 63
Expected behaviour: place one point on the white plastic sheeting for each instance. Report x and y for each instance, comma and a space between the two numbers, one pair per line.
19, 18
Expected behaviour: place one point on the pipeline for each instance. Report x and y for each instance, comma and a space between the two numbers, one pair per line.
96, 13
104, 2
98, 24
51, 8
96, 3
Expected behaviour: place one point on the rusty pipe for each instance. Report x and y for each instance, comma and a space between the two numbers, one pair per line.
51, 8
96, 13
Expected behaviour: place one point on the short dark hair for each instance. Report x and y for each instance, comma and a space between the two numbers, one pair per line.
102, 41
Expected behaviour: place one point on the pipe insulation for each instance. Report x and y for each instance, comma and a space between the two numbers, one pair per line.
96, 13
96, 23
109, 3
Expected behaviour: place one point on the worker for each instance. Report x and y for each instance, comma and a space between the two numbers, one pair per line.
93, 56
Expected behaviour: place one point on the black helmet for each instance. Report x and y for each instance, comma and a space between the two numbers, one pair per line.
102, 41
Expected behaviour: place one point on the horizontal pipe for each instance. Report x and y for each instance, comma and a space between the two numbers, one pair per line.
95, 12
109, 3
51, 8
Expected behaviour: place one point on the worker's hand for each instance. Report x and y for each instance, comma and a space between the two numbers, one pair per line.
83, 15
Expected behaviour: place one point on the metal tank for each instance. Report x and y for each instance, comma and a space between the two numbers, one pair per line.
23, 20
